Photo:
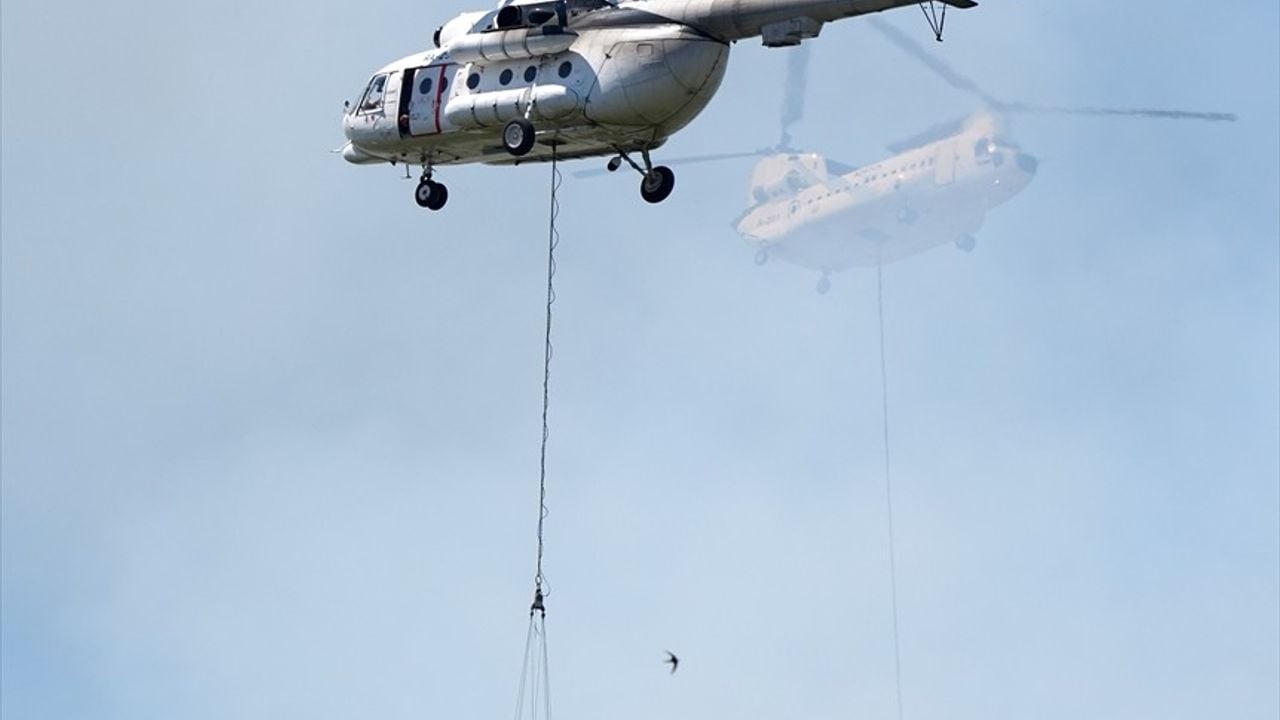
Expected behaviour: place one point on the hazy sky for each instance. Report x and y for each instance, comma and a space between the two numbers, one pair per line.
270, 431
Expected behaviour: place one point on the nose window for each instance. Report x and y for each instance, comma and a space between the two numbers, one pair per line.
982, 149
373, 94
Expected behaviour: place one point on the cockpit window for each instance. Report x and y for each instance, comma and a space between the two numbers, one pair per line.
983, 149
373, 95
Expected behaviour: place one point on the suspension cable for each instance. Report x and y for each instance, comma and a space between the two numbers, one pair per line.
553, 240
535, 676
888, 486
937, 21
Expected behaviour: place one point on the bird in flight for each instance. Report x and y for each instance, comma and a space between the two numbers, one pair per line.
673, 661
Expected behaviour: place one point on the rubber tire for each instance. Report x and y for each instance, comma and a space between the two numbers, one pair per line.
657, 184
519, 145
439, 196
422, 195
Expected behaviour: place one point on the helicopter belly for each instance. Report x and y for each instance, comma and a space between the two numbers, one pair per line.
663, 81
867, 232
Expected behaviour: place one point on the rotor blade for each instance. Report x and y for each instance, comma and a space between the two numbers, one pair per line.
960, 82
691, 160
1122, 112
793, 97
953, 78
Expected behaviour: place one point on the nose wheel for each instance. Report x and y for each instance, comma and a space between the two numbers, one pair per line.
431, 194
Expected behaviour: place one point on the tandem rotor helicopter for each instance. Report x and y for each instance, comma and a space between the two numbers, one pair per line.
936, 188
542, 80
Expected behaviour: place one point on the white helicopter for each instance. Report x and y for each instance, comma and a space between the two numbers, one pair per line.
537, 80
936, 189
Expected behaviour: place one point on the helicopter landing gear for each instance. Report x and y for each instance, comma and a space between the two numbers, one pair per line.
657, 184
518, 137
824, 284
762, 257
658, 181
430, 194
966, 243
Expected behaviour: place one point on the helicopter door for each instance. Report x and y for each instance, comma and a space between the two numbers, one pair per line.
422, 100
946, 168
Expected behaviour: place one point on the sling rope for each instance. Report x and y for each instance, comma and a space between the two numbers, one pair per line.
534, 693
553, 240
888, 486
937, 21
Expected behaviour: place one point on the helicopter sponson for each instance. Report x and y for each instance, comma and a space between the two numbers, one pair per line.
570, 79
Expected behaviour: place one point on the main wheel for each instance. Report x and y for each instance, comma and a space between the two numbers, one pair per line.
422, 195
518, 137
657, 184
431, 195
439, 196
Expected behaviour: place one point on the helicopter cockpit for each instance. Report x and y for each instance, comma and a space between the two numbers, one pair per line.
786, 176
371, 99
996, 150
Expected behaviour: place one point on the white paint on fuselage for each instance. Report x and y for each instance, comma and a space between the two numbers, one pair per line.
626, 89
920, 199
638, 72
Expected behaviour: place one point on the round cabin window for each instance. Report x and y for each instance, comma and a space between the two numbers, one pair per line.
530, 73
424, 87
506, 76
566, 69
473, 81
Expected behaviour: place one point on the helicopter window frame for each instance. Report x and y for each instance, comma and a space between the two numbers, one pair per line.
374, 99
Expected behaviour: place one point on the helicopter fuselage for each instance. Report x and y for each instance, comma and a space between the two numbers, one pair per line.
922, 198
576, 78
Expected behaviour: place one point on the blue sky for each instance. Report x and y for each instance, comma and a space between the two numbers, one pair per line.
270, 431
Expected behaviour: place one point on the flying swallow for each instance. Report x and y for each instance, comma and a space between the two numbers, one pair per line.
673, 661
